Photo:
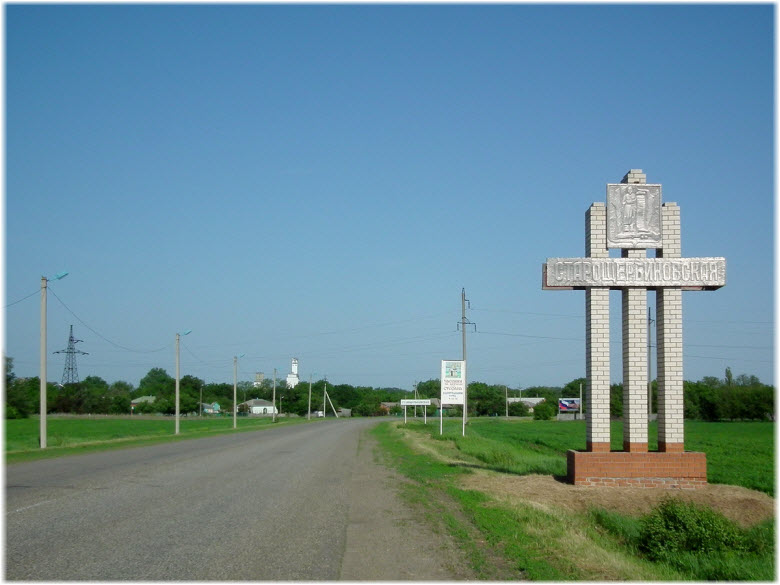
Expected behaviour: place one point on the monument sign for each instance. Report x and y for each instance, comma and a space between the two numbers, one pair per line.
634, 220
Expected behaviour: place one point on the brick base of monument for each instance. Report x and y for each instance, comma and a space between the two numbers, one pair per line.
653, 469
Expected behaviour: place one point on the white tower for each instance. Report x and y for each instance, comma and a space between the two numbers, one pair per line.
292, 377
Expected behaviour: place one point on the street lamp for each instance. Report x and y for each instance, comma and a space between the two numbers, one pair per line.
44, 283
177, 376
235, 385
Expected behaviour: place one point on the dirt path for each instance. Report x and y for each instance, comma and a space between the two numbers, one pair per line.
386, 540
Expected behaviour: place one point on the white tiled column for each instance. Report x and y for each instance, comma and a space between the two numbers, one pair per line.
634, 364
634, 351
670, 342
597, 337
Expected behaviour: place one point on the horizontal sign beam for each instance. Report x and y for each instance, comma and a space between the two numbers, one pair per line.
415, 402
618, 273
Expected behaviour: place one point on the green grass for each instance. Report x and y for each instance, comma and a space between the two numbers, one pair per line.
525, 447
74, 435
521, 541
738, 453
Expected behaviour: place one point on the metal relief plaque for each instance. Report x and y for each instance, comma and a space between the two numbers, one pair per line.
633, 215
652, 273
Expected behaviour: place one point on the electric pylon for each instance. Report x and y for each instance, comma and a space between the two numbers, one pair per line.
70, 375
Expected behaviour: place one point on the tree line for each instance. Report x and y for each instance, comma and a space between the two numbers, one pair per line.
742, 397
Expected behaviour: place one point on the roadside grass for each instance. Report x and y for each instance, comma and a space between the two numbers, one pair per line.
508, 542
518, 540
77, 435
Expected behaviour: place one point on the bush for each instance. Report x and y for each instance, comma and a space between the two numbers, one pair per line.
518, 409
676, 527
544, 410
13, 412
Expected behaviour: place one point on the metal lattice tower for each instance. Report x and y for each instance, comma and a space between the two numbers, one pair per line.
70, 375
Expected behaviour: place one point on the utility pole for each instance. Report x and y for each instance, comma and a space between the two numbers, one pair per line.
506, 400
463, 322
44, 312
42, 423
178, 376
273, 399
324, 393
308, 413
649, 377
235, 386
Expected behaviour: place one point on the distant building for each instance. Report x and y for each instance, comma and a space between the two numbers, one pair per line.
210, 408
259, 377
386, 407
259, 406
530, 401
292, 377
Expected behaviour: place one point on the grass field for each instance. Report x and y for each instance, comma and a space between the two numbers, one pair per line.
540, 447
71, 435
517, 537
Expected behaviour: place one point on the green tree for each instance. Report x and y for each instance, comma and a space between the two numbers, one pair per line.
119, 393
19, 394
156, 382
95, 395
429, 388
484, 400
190, 389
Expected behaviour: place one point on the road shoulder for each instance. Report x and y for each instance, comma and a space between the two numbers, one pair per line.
387, 539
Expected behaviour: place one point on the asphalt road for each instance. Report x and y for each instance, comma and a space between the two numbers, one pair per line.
290, 503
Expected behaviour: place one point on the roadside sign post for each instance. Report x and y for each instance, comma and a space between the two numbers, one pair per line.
416, 402
453, 388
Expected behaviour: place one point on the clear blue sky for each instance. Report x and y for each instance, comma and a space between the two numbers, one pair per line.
322, 181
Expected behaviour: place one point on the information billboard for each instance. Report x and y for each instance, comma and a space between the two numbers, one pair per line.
453, 382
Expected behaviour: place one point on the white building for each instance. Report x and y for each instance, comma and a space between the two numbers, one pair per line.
260, 406
292, 377
530, 402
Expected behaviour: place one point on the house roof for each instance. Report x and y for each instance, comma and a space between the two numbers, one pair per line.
257, 402
141, 399
530, 401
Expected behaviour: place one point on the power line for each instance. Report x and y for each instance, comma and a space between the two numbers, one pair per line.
580, 316
101, 336
23, 299
531, 336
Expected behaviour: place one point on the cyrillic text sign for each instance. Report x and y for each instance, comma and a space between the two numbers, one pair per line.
453, 382
651, 273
